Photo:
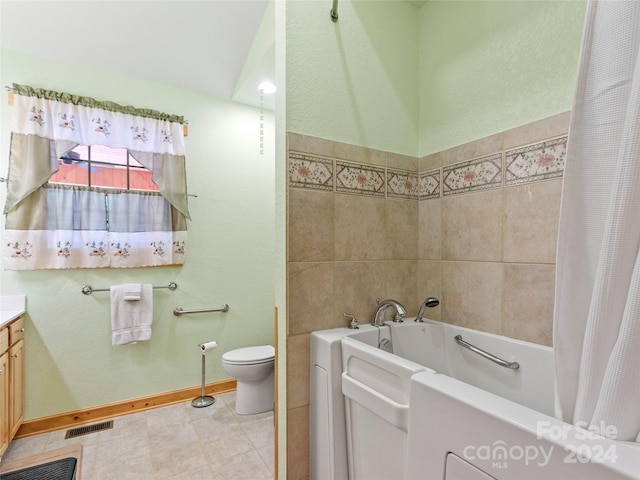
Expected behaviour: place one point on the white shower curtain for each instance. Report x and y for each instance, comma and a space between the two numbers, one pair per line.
597, 309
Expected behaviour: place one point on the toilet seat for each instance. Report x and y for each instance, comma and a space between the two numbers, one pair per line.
250, 355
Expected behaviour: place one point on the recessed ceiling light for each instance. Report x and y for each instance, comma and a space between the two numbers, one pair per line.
267, 87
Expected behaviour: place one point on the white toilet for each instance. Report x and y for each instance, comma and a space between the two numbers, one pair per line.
252, 367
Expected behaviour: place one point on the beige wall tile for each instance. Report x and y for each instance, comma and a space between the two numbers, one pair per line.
403, 162
298, 370
529, 292
471, 150
360, 223
472, 226
430, 229
402, 236
356, 153
358, 284
429, 285
472, 295
298, 443
531, 214
311, 297
536, 131
401, 278
430, 162
304, 143
310, 225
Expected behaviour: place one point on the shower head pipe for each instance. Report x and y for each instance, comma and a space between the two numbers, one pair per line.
334, 11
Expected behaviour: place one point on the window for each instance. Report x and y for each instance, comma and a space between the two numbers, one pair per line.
100, 166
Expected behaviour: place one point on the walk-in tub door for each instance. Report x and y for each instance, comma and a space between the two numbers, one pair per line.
376, 389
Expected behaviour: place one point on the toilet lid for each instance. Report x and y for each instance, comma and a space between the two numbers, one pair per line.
261, 354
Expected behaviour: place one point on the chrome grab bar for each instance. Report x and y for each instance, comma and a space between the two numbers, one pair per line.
222, 308
487, 355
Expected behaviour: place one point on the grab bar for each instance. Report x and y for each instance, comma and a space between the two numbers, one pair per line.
487, 355
179, 311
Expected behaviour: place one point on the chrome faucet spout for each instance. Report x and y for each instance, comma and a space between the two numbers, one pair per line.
430, 302
378, 315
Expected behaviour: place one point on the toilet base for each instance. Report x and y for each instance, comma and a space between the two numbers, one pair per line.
254, 396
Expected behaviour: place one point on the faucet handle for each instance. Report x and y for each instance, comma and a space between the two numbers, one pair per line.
354, 321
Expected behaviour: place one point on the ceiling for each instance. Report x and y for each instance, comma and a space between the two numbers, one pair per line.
224, 48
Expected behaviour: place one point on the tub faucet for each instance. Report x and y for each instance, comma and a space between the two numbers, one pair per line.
429, 302
378, 316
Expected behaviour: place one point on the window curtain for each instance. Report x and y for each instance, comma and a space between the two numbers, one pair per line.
597, 311
51, 226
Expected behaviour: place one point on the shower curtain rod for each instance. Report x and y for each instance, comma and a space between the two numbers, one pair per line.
334, 11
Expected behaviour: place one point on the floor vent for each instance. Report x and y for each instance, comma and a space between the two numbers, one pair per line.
96, 427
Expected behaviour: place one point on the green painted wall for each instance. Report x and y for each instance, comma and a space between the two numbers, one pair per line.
487, 66
355, 80
391, 76
70, 363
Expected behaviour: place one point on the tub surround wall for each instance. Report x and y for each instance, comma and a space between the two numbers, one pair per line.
494, 241
474, 225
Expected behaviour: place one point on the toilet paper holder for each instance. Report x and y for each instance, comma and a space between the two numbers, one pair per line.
204, 400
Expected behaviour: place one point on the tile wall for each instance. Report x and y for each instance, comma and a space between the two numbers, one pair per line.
475, 226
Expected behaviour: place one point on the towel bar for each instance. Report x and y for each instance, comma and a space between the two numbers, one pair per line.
88, 289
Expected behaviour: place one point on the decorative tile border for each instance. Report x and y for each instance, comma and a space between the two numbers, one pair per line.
360, 179
539, 161
479, 174
429, 185
308, 171
402, 184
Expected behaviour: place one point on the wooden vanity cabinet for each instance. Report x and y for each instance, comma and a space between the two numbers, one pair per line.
16, 390
11, 380
4, 402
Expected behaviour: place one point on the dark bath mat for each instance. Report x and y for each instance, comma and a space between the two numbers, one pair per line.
64, 469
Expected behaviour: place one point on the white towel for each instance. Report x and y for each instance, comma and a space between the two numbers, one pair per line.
132, 291
131, 321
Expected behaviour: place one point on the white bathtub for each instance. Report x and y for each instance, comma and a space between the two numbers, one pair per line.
436, 410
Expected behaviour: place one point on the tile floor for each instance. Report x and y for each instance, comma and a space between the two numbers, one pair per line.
170, 443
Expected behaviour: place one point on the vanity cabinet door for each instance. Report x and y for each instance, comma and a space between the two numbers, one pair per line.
4, 402
16, 399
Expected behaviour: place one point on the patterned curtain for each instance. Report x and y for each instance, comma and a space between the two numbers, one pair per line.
55, 226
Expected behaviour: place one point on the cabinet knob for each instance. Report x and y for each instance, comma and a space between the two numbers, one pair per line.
1, 372
21, 330
15, 355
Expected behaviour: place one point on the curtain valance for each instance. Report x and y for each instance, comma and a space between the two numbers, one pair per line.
27, 91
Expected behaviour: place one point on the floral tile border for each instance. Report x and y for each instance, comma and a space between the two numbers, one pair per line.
360, 179
309, 171
429, 184
540, 161
478, 174
402, 184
